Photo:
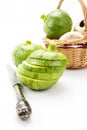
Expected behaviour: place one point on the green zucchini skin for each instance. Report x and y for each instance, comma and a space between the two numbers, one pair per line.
35, 68
22, 51
35, 84
42, 68
46, 62
41, 76
47, 55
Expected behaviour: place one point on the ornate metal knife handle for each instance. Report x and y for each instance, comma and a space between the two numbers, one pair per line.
22, 107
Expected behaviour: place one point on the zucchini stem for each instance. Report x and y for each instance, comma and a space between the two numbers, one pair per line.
52, 47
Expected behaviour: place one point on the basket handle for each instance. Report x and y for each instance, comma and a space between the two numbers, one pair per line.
59, 4
84, 9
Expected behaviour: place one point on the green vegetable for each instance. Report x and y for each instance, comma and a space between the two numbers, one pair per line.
56, 23
39, 75
45, 55
42, 68
47, 58
35, 68
45, 62
22, 51
35, 84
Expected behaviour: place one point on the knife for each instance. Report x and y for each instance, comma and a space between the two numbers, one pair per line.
23, 108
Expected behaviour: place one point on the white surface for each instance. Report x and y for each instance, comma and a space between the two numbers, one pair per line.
62, 107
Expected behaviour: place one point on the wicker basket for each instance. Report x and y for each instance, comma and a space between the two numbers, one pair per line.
75, 50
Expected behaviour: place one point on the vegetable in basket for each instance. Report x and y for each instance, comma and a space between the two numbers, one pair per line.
56, 23
74, 47
71, 36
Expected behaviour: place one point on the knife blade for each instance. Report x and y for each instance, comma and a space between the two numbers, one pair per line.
23, 108
12, 76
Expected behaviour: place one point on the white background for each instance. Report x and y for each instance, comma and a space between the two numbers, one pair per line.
63, 106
